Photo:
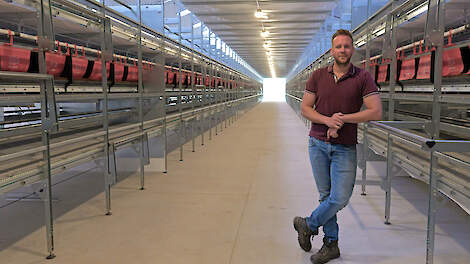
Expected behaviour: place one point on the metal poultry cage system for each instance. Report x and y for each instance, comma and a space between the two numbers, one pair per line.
418, 52
81, 80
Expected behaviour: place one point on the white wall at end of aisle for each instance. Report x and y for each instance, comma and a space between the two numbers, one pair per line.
274, 90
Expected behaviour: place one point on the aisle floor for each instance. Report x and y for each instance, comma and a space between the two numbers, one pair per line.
232, 202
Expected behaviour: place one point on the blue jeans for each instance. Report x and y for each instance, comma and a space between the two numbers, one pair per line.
334, 170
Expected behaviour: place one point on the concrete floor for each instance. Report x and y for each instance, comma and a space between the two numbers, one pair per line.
232, 201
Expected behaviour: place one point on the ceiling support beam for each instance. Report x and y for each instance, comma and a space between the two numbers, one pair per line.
255, 35
271, 29
251, 2
286, 44
276, 12
272, 21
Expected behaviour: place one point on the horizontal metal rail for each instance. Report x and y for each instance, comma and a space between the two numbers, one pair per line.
116, 130
132, 132
8, 75
395, 127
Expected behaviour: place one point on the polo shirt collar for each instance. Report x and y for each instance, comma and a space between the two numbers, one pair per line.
350, 72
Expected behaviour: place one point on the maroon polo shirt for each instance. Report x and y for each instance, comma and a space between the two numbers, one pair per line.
344, 95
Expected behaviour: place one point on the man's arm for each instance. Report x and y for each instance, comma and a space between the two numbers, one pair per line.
311, 114
372, 112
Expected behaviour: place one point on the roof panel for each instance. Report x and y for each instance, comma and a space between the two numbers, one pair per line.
292, 24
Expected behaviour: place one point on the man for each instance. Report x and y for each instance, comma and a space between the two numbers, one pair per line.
332, 101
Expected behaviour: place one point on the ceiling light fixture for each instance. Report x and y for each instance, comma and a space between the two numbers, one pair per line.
264, 33
260, 14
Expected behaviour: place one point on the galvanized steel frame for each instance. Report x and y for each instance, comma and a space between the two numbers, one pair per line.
49, 113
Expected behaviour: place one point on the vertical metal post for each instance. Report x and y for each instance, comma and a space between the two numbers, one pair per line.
113, 164
230, 78
365, 148
48, 115
203, 92
365, 153
432, 208
48, 196
238, 96
388, 179
211, 72
180, 86
146, 148
203, 100
436, 37
106, 55
368, 38
194, 93
221, 97
141, 98
217, 98
393, 70
225, 97
235, 95
229, 98
165, 138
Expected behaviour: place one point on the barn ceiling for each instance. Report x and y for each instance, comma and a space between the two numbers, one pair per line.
291, 25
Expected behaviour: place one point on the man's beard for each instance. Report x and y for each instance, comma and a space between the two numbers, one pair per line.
341, 63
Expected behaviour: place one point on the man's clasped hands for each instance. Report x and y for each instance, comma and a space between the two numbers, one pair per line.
334, 123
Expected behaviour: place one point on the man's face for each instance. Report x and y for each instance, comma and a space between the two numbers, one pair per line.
342, 49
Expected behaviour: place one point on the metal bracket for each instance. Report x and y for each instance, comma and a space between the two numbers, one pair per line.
46, 29
112, 163
107, 51
46, 42
48, 100
432, 32
146, 149
388, 51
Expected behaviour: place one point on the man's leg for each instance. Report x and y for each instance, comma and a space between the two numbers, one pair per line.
343, 175
331, 229
320, 163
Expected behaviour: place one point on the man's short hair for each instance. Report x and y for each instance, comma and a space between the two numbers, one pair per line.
343, 32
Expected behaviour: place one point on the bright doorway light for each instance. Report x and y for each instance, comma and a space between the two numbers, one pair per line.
274, 90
